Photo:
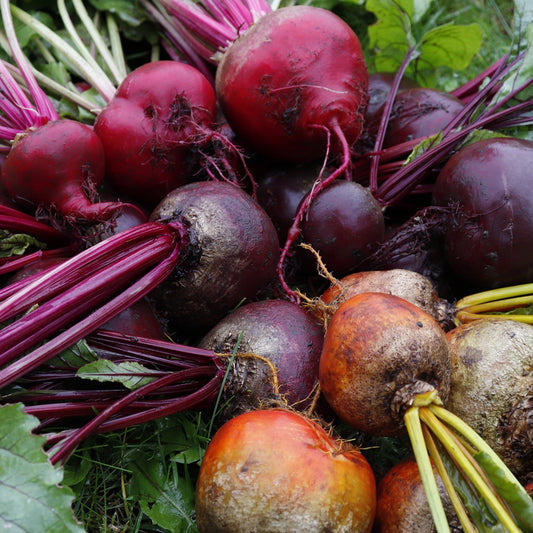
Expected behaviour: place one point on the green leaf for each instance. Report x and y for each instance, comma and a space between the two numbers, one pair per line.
390, 36
126, 10
130, 374
166, 497
17, 243
76, 356
31, 497
451, 45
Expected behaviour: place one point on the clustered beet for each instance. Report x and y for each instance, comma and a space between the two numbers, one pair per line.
148, 232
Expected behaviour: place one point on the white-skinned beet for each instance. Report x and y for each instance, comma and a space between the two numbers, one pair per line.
379, 352
231, 252
492, 386
282, 332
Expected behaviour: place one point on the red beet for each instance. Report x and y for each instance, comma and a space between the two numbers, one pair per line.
294, 78
59, 165
153, 129
344, 224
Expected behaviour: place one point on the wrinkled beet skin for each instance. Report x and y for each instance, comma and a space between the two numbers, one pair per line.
298, 67
488, 241
150, 127
344, 224
290, 337
233, 252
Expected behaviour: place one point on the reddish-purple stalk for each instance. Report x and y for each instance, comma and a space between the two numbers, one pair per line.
186, 378
20, 111
117, 278
399, 184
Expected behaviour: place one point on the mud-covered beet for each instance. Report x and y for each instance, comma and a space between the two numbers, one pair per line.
379, 352
280, 331
276, 471
492, 387
344, 225
232, 252
488, 186
406, 284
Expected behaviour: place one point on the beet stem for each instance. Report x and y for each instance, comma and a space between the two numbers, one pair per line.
96, 319
67, 446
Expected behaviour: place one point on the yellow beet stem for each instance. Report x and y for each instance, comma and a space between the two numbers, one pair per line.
414, 429
427, 415
462, 515
494, 294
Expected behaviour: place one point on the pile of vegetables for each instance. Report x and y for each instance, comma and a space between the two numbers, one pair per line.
247, 246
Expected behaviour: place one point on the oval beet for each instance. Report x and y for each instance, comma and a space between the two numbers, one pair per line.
281, 331
232, 252
344, 224
488, 185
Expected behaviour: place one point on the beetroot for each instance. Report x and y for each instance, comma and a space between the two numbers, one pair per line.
344, 224
294, 78
231, 252
379, 86
280, 331
420, 112
487, 184
58, 165
153, 129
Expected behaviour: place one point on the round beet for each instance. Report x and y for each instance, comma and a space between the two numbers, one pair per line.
379, 86
280, 192
419, 112
281, 331
231, 253
151, 130
488, 186
295, 76
344, 224
276, 471
59, 165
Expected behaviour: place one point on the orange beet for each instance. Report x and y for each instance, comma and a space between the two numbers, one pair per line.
379, 352
274, 470
402, 503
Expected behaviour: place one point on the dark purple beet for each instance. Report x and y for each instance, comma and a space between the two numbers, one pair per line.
488, 186
379, 86
281, 190
344, 224
420, 112
281, 331
231, 253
